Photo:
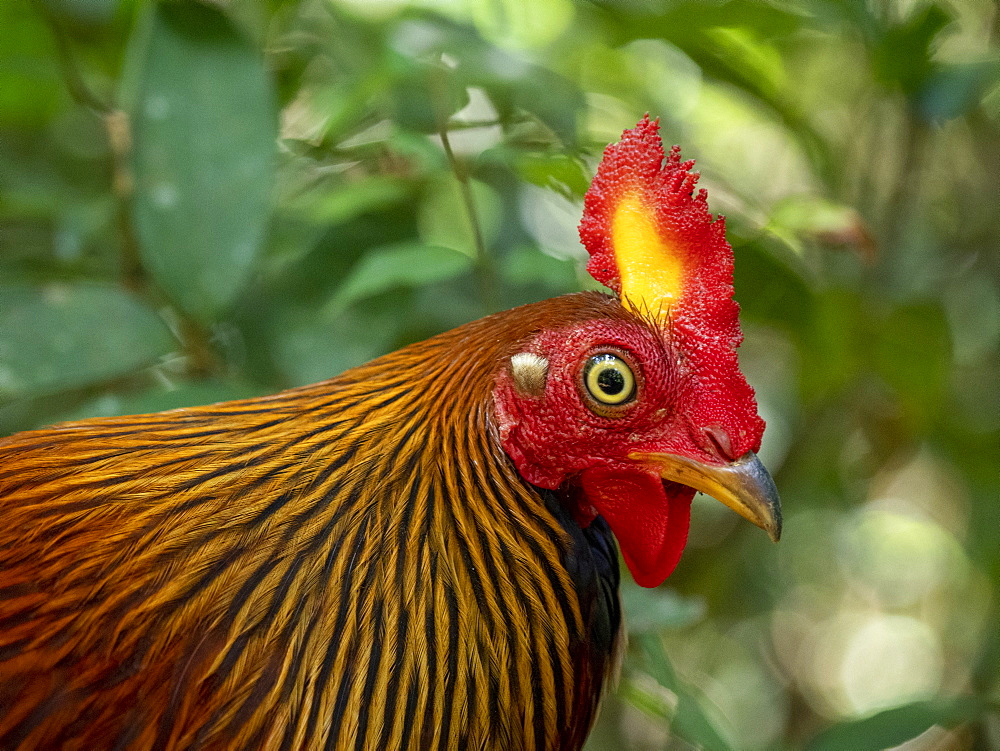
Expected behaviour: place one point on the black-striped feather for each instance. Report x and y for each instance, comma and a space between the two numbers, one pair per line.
350, 565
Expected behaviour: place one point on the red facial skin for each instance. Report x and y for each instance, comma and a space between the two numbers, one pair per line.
559, 439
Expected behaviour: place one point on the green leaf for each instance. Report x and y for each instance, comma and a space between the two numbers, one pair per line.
912, 353
555, 100
160, 399
205, 128
758, 60
443, 217
314, 276
83, 12
31, 92
730, 42
311, 345
426, 95
404, 265
952, 90
768, 288
896, 726
646, 695
59, 337
685, 18
690, 721
520, 24
903, 55
348, 201
560, 172
528, 267
650, 610
831, 342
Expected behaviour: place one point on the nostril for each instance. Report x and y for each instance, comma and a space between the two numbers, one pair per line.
720, 442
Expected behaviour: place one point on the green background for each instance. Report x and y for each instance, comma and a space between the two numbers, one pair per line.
205, 202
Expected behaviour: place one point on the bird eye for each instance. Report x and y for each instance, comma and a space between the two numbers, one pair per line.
608, 379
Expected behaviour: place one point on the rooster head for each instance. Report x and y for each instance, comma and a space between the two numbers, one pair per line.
634, 409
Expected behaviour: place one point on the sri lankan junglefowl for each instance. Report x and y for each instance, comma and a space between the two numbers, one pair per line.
419, 553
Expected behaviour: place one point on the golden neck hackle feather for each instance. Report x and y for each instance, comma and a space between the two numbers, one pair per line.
287, 571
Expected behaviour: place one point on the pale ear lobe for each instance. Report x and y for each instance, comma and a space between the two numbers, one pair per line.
529, 372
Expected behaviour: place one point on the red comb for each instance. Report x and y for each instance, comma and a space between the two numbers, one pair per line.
652, 240
650, 236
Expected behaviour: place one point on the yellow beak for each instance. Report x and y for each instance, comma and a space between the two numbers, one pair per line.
743, 485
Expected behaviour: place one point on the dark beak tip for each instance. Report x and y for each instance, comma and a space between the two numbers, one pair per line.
777, 523
767, 492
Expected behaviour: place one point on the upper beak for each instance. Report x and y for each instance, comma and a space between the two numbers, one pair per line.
743, 485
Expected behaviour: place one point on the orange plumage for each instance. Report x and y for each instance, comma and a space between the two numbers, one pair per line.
413, 554
222, 577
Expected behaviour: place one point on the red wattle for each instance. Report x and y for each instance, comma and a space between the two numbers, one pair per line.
650, 518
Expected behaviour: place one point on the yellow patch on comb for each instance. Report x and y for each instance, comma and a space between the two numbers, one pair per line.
651, 271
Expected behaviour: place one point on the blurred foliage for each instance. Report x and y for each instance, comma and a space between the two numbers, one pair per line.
208, 201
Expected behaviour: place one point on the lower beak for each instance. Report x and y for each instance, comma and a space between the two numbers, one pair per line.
743, 485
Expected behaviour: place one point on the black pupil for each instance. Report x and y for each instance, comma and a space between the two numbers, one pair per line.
611, 381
